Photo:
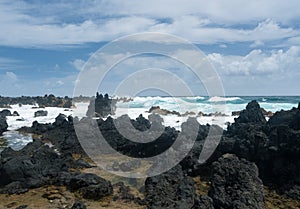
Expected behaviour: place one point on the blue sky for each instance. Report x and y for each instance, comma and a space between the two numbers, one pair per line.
254, 45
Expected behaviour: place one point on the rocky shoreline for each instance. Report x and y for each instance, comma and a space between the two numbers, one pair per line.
253, 154
45, 101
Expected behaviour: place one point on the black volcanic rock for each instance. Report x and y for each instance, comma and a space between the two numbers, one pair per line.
5, 113
252, 114
101, 106
273, 146
15, 113
42, 101
134, 149
32, 166
246, 137
3, 125
203, 202
235, 184
170, 190
290, 118
40, 113
90, 186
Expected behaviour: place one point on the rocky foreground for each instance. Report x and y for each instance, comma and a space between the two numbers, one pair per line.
256, 165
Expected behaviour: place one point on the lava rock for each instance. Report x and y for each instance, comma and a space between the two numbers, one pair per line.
5, 113
40, 113
15, 113
33, 166
60, 120
158, 110
101, 106
235, 184
3, 125
252, 114
42, 101
90, 186
170, 190
203, 202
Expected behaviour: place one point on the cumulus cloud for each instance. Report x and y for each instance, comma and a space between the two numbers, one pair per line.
78, 64
258, 62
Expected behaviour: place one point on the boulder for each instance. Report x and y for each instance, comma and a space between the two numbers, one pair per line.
235, 184
90, 186
60, 120
33, 166
15, 113
170, 190
5, 113
3, 125
252, 114
40, 113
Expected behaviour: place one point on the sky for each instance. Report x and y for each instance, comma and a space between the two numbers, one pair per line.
253, 45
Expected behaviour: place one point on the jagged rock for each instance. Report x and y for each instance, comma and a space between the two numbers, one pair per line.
46, 101
90, 186
5, 113
3, 125
40, 113
235, 184
265, 113
252, 114
33, 166
15, 113
134, 149
60, 120
290, 118
101, 106
158, 110
170, 190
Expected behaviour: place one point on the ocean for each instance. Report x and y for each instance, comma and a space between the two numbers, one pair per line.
141, 105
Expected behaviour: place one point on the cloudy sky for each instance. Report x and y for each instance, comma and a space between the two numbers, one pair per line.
253, 45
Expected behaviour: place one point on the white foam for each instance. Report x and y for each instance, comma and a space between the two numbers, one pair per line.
26, 113
223, 99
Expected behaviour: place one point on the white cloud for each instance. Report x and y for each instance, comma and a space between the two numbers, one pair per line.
257, 62
221, 11
11, 76
78, 64
64, 23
